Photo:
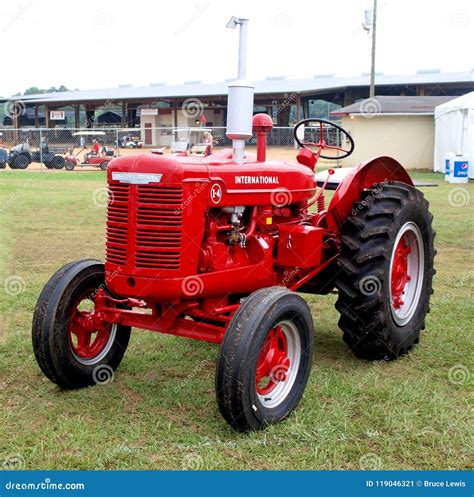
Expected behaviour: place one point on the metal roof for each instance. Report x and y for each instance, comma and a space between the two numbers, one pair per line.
267, 86
394, 105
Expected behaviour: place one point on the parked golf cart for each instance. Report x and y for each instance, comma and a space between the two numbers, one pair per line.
192, 141
100, 159
131, 142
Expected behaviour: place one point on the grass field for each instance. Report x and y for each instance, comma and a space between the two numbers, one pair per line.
160, 411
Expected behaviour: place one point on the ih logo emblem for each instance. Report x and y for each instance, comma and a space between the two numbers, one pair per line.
216, 193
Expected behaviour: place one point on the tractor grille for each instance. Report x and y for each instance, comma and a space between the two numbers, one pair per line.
117, 221
159, 221
155, 213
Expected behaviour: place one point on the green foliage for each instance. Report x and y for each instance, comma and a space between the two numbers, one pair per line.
34, 90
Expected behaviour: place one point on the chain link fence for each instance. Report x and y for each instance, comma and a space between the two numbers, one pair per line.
52, 147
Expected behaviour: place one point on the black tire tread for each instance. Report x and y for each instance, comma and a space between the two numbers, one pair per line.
46, 342
365, 248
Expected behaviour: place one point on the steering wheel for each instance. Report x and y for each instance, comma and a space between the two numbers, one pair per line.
321, 145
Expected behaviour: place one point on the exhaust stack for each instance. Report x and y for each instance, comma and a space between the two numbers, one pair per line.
240, 99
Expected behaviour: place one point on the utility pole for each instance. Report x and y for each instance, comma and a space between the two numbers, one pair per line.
370, 24
374, 38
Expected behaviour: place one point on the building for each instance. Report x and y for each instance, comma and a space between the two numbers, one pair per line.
164, 105
402, 127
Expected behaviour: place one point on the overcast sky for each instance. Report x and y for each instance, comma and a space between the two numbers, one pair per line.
103, 43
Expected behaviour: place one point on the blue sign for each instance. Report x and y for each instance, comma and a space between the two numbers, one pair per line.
447, 166
460, 169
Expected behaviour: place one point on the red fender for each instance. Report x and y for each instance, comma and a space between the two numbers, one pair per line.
365, 175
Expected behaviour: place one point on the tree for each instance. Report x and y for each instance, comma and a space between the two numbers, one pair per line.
34, 90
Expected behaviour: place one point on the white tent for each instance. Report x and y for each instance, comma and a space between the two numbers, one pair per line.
454, 131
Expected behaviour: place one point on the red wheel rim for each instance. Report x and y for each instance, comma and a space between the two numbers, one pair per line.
400, 276
406, 273
273, 362
88, 336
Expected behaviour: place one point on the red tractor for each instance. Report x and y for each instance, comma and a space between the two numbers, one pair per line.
217, 248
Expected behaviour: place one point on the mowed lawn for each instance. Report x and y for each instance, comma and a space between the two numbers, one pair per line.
160, 410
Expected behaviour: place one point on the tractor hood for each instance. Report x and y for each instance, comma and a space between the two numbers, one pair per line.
251, 183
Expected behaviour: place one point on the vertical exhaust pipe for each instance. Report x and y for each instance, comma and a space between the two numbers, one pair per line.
240, 99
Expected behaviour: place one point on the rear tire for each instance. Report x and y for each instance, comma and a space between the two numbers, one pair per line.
265, 359
58, 162
59, 357
103, 165
21, 161
386, 271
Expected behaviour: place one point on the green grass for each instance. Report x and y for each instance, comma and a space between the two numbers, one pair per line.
160, 410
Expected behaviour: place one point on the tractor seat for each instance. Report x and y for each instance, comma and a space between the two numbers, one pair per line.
336, 179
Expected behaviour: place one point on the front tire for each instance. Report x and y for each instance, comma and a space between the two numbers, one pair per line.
68, 352
386, 271
265, 359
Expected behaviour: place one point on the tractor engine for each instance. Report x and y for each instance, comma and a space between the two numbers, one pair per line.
188, 227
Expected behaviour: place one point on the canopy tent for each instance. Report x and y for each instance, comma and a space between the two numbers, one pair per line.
454, 131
